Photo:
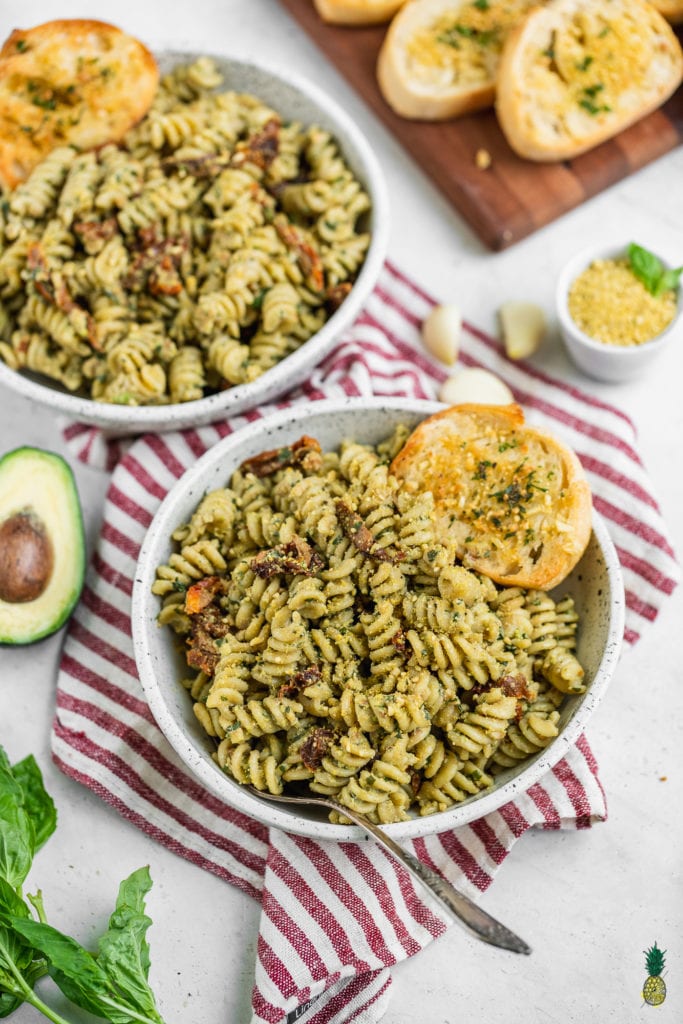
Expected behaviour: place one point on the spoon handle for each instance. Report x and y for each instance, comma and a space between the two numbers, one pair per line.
473, 917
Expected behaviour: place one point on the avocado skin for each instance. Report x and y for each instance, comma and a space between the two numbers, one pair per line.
41, 469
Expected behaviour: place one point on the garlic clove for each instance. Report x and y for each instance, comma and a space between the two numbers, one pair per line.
475, 385
523, 326
441, 333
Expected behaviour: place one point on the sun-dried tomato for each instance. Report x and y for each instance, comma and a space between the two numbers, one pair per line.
400, 642
296, 557
515, 685
207, 166
164, 278
202, 594
315, 746
335, 295
299, 681
305, 454
261, 148
307, 255
360, 535
206, 627
94, 234
156, 259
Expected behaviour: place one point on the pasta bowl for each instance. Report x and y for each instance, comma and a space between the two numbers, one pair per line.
595, 586
297, 101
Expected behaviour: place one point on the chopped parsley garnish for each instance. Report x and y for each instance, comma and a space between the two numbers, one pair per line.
481, 469
452, 36
588, 97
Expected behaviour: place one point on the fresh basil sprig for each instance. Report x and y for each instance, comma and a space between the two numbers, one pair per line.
649, 269
112, 983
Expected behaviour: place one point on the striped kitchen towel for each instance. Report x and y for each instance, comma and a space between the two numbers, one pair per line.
335, 916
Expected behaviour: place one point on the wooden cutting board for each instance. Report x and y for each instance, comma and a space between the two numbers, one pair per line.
513, 197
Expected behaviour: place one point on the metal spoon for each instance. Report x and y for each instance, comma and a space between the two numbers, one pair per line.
466, 912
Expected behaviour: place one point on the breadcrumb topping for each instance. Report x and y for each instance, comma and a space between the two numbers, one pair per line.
609, 303
464, 46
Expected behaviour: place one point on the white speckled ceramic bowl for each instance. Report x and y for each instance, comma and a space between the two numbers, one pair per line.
294, 98
613, 363
595, 584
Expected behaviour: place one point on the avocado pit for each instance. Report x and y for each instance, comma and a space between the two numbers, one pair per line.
26, 558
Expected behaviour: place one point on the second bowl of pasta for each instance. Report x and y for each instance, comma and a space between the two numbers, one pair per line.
297, 623
202, 266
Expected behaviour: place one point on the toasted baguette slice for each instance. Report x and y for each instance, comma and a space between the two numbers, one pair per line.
511, 500
439, 58
576, 72
671, 9
71, 81
357, 12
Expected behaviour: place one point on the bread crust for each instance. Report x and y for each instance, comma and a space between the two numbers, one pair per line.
416, 90
558, 98
672, 10
511, 500
70, 81
357, 12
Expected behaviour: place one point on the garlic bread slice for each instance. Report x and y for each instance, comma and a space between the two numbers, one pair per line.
357, 12
512, 501
439, 58
577, 72
69, 81
671, 9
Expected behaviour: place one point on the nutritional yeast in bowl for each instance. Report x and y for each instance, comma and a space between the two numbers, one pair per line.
610, 304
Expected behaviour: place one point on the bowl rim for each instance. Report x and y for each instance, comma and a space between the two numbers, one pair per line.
276, 380
580, 261
235, 795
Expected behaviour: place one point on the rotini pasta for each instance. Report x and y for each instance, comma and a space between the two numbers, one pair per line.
342, 647
222, 232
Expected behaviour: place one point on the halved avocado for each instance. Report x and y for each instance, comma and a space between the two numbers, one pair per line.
42, 545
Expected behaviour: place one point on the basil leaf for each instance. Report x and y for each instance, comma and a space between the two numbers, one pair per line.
14, 952
11, 906
8, 1002
123, 949
646, 266
71, 967
669, 280
17, 835
37, 802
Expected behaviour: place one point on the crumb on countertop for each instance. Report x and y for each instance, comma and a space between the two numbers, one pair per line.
483, 159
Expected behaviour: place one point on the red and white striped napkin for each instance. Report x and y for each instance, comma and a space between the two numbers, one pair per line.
335, 916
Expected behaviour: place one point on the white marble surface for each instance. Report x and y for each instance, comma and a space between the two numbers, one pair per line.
588, 902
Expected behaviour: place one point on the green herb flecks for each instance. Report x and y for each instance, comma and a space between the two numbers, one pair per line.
651, 271
112, 983
453, 36
588, 99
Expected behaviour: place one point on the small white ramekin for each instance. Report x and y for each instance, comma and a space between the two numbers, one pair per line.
613, 363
